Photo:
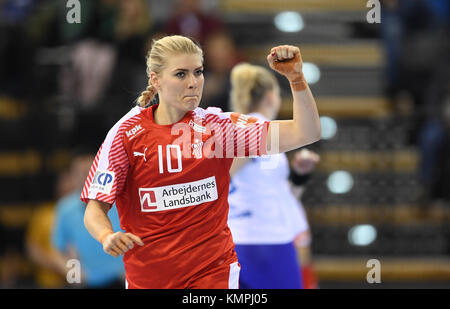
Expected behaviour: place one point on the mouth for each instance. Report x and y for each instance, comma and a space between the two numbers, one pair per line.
191, 96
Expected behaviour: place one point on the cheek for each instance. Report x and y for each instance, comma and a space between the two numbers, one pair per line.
171, 88
201, 82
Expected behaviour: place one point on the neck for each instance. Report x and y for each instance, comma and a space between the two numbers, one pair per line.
166, 115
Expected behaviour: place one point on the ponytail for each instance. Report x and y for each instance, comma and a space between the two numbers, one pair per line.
147, 96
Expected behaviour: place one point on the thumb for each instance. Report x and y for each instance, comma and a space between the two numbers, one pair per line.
271, 59
135, 238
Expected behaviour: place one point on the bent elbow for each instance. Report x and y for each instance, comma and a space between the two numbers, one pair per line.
310, 139
317, 134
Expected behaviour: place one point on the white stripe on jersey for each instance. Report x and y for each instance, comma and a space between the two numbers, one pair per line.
233, 278
235, 137
112, 156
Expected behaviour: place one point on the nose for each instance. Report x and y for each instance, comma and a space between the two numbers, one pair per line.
192, 82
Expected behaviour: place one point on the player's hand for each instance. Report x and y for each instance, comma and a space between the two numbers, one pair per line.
304, 161
287, 60
118, 243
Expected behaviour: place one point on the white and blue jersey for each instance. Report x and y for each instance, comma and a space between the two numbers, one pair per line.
264, 218
263, 209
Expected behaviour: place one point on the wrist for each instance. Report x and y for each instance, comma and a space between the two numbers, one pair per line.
105, 233
299, 179
298, 83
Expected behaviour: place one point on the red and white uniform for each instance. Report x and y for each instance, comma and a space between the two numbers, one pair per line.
170, 184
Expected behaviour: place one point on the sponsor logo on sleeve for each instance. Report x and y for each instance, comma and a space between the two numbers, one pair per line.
178, 196
137, 129
102, 182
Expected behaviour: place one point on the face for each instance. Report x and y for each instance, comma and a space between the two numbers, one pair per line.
180, 84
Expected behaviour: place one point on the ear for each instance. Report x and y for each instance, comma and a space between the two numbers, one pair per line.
154, 80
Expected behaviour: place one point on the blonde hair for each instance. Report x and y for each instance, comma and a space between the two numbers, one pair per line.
159, 53
249, 84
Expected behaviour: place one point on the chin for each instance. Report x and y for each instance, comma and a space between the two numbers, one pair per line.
192, 105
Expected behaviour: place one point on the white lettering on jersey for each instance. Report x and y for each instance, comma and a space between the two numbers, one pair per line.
178, 195
134, 132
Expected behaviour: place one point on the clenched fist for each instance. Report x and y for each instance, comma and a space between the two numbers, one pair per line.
304, 161
287, 60
118, 243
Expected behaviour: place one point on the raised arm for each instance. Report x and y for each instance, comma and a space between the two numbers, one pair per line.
304, 128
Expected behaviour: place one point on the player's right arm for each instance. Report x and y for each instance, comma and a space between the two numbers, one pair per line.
105, 181
99, 226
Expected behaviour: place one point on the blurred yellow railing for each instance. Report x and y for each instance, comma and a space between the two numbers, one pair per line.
268, 6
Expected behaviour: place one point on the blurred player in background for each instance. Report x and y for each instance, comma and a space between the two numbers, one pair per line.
167, 168
49, 269
72, 241
266, 220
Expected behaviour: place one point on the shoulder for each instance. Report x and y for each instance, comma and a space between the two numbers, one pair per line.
211, 113
201, 112
125, 123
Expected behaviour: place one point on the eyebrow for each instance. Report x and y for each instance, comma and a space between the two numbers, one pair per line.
186, 70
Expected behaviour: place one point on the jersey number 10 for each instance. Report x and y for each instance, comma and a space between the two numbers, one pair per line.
169, 160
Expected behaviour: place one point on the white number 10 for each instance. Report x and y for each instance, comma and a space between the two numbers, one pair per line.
168, 157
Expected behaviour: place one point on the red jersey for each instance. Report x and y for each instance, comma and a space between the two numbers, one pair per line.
170, 184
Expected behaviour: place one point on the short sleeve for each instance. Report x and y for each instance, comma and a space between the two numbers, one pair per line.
108, 172
238, 135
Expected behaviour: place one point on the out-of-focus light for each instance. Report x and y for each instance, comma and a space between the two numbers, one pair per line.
289, 22
311, 72
329, 127
362, 235
340, 182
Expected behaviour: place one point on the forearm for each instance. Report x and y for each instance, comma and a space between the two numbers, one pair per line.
96, 219
302, 130
306, 121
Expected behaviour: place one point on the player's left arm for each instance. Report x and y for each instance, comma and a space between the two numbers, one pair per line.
305, 127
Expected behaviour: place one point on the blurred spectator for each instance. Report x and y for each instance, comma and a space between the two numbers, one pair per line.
434, 142
16, 50
221, 55
49, 269
133, 19
98, 20
72, 240
89, 72
129, 77
15, 11
190, 19
417, 49
415, 35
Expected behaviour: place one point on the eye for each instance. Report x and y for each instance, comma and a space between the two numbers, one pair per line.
180, 74
199, 72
